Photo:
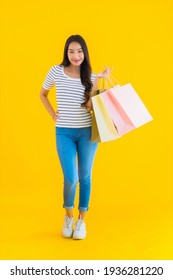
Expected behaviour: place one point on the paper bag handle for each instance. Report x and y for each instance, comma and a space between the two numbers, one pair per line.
110, 79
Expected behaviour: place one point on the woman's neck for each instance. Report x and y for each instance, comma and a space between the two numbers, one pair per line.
73, 69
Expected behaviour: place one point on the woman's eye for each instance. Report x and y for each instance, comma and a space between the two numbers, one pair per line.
78, 51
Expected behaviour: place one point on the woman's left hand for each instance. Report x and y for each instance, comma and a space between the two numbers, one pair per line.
104, 73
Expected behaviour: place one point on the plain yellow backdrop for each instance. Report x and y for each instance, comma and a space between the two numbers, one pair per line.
131, 209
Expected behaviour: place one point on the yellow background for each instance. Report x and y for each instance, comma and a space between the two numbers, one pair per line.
130, 214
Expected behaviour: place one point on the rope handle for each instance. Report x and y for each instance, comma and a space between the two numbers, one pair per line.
110, 79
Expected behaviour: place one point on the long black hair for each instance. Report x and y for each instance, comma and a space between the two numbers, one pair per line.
85, 67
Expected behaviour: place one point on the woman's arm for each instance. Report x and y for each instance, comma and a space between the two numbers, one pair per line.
102, 74
44, 98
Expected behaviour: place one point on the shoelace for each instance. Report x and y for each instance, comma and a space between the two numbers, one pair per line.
78, 225
68, 221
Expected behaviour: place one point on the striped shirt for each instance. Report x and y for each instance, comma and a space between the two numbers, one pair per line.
69, 97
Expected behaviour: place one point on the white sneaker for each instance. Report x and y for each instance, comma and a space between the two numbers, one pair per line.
67, 230
80, 230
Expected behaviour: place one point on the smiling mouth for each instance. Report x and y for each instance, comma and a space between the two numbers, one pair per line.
76, 60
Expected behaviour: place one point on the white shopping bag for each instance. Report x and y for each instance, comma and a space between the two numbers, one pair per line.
132, 104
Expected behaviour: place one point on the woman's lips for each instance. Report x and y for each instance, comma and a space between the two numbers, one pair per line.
76, 60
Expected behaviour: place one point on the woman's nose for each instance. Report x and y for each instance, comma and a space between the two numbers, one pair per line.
76, 56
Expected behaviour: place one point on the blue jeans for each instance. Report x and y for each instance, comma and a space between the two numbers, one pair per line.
76, 153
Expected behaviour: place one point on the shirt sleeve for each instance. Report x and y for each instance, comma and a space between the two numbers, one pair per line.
93, 76
49, 81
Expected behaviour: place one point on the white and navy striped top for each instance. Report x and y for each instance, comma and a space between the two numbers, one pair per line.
69, 97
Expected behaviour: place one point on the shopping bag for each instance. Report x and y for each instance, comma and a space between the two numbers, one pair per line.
95, 137
121, 106
130, 106
103, 121
120, 119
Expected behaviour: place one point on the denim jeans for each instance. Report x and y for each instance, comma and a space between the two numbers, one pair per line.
76, 154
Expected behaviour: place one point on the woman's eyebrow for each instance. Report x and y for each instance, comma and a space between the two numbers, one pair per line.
73, 49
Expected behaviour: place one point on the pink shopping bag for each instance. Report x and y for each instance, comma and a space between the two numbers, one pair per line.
119, 117
130, 106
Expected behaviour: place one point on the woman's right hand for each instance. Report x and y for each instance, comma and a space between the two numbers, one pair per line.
105, 72
56, 116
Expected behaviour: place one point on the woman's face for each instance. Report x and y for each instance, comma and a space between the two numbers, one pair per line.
75, 54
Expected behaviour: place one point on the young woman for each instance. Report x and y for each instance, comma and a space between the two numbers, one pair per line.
75, 84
